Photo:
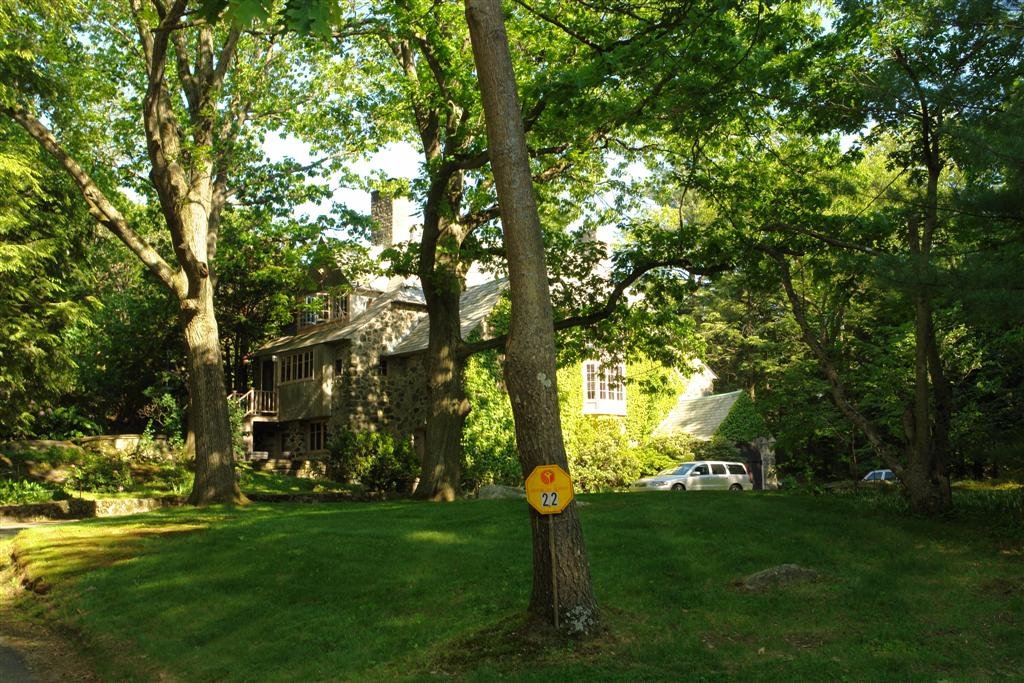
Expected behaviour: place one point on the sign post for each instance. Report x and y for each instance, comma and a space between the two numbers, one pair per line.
549, 492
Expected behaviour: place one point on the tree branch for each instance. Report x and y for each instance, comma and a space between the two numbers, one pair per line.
99, 206
836, 385
608, 307
188, 81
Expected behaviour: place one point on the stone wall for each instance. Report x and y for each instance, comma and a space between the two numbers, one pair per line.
78, 508
408, 408
364, 399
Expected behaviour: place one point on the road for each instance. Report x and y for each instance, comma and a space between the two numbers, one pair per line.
13, 668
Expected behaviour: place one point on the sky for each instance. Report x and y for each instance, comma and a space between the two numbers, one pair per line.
397, 160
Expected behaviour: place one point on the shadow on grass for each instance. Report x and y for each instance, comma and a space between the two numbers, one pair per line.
404, 590
62, 553
519, 643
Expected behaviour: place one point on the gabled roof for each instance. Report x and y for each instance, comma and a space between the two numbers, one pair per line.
699, 417
475, 305
328, 334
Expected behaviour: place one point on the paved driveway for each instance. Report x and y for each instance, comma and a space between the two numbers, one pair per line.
12, 666
8, 529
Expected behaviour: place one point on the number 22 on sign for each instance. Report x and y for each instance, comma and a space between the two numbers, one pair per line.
549, 489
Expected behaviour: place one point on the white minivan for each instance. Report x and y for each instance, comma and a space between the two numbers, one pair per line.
699, 475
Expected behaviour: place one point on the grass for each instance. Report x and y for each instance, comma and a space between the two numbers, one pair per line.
254, 481
414, 591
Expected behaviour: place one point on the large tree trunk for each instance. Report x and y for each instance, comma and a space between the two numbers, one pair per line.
530, 352
927, 472
442, 278
191, 197
446, 391
926, 477
215, 480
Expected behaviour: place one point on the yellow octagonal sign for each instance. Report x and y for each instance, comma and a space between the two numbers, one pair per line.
548, 489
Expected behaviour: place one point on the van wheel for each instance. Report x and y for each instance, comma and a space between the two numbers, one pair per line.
735, 487
678, 487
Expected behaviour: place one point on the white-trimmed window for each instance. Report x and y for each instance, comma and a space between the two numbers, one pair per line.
296, 366
317, 435
339, 307
314, 309
321, 308
604, 388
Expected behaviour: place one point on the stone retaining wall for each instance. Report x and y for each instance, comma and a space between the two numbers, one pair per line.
78, 508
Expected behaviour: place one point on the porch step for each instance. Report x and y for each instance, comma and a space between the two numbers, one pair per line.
296, 468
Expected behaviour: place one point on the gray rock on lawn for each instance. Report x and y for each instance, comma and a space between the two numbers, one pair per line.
782, 575
494, 492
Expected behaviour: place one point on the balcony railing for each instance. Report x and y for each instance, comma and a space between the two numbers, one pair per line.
256, 402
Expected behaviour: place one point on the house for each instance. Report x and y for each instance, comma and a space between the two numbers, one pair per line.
355, 361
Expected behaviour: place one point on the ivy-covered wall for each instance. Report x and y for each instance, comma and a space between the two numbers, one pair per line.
744, 423
603, 451
606, 451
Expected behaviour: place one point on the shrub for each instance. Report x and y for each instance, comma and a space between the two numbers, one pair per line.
166, 412
377, 460
100, 473
660, 453
51, 455
488, 439
718, 448
172, 476
743, 423
599, 454
23, 491
63, 422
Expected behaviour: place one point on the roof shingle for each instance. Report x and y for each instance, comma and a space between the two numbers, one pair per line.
698, 417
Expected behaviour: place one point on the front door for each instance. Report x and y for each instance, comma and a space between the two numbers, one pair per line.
267, 373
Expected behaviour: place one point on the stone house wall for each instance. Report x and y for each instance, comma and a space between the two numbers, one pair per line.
407, 387
363, 398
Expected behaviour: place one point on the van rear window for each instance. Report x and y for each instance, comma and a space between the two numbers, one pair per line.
737, 469
717, 469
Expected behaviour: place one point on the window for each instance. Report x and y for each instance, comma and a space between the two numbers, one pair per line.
737, 469
314, 309
297, 366
339, 307
699, 471
717, 469
322, 307
604, 388
317, 435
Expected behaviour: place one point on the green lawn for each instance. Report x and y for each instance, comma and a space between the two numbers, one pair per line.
420, 591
